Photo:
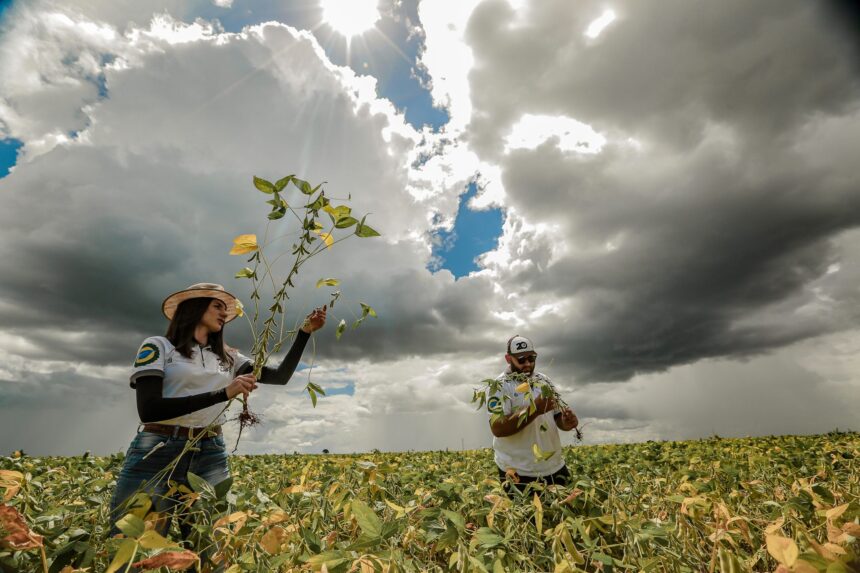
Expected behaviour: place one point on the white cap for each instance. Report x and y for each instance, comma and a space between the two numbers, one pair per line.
520, 344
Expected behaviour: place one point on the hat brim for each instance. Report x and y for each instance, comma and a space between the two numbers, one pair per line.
168, 307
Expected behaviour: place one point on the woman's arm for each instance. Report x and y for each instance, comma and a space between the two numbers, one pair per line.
282, 374
152, 406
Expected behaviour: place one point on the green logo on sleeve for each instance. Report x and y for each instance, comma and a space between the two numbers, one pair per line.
494, 405
147, 354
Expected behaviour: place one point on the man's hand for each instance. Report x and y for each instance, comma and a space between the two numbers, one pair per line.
566, 420
315, 320
544, 405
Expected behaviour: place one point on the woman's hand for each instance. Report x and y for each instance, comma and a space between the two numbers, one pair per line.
315, 320
244, 384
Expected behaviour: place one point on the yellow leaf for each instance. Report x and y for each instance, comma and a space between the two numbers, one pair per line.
803, 567
123, 555
397, 509
244, 244
11, 491
835, 512
538, 513
173, 560
240, 308
775, 526
277, 516
10, 476
329, 240
834, 534
524, 387
273, 540
540, 454
782, 549
835, 549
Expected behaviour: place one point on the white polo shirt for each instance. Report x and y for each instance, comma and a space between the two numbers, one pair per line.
202, 373
516, 451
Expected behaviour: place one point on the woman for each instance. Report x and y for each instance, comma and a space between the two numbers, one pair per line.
182, 381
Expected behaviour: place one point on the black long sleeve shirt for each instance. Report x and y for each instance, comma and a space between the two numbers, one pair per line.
153, 406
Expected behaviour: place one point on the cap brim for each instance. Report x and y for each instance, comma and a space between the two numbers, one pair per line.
168, 307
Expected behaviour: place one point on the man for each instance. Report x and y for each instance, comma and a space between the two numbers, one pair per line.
527, 445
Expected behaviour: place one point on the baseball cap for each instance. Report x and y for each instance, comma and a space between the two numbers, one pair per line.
520, 345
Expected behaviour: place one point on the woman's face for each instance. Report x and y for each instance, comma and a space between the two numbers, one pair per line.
215, 316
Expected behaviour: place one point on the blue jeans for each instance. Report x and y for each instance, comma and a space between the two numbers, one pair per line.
145, 458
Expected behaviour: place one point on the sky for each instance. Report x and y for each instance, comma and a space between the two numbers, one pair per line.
664, 197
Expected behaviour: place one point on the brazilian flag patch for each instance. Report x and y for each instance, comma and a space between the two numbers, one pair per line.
147, 354
494, 405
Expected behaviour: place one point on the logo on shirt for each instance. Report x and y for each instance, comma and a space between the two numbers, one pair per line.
147, 354
494, 405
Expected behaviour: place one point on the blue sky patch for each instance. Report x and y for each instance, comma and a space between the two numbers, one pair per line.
474, 233
346, 390
8, 155
386, 52
4, 6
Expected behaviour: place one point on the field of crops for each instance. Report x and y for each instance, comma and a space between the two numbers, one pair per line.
764, 504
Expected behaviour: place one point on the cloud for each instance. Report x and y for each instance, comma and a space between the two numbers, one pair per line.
712, 202
707, 248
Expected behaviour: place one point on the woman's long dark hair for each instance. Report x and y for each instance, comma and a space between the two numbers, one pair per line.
180, 331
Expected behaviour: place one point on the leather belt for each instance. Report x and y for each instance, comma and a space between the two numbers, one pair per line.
182, 431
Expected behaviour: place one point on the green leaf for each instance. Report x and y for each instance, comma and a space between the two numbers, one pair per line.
365, 231
303, 186
222, 488
263, 185
367, 519
124, 554
277, 214
319, 203
327, 282
330, 559
153, 540
367, 310
345, 222
458, 520
245, 273
340, 328
313, 395
131, 525
200, 485
488, 538
337, 213
281, 183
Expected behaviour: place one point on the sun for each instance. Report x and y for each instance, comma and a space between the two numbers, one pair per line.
350, 17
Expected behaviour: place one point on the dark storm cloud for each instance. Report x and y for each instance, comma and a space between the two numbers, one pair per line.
676, 248
662, 70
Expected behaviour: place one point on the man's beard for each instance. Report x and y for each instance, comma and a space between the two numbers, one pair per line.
527, 370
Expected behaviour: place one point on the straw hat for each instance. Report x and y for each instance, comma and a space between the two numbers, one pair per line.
200, 290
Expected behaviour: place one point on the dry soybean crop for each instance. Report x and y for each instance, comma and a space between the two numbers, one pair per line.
788, 503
